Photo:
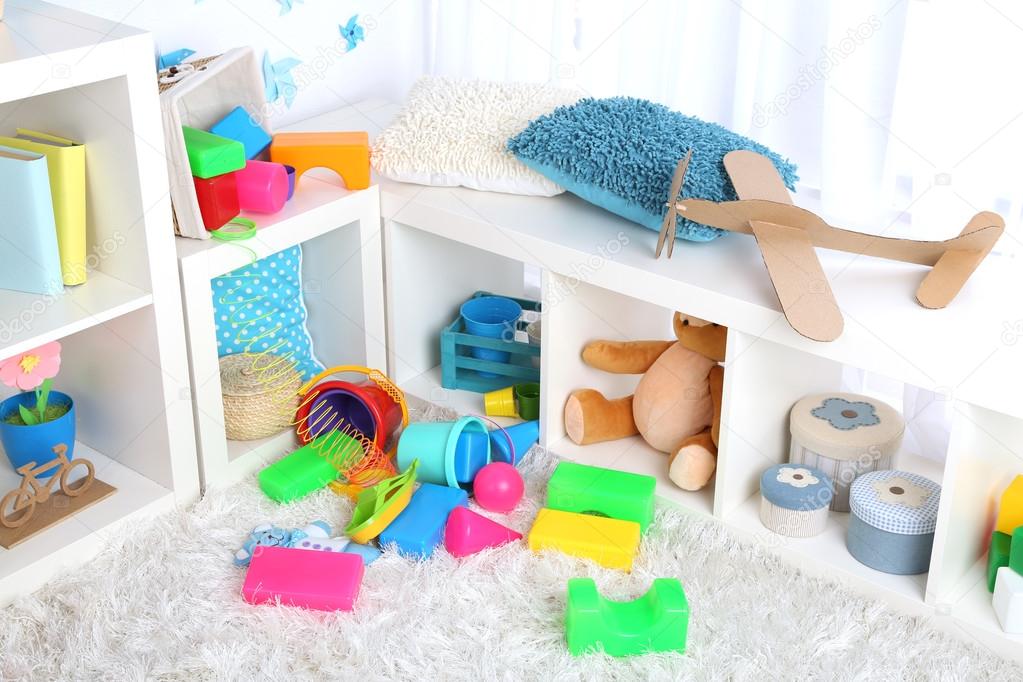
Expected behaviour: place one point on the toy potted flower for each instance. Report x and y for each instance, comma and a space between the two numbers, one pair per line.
33, 422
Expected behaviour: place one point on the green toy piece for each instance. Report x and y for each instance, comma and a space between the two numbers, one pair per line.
303, 471
1016, 551
210, 155
657, 621
997, 556
603, 492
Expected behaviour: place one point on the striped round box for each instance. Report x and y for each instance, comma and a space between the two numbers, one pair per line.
894, 514
844, 435
794, 500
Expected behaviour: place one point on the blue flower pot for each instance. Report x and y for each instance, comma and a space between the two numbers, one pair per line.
24, 444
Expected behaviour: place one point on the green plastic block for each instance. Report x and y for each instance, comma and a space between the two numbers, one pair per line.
997, 556
303, 471
604, 492
657, 621
1016, 551
210, 155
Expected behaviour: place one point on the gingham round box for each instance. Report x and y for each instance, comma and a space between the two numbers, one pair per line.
891, 528
844, 435
794, 500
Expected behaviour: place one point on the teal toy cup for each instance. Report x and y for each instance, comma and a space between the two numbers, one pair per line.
435, 445
493, 317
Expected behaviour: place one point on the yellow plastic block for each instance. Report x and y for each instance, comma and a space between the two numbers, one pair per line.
610, 542
347, 154
1010, 513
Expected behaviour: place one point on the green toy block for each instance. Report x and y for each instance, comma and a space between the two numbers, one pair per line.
303, 471
657, 621
997, 556
1016, 551
210, 155
604, 492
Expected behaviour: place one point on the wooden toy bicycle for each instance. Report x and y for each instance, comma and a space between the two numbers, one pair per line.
17, 506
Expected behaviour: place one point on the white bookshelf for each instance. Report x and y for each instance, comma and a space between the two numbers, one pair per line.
124, 359
600, 280
342, 273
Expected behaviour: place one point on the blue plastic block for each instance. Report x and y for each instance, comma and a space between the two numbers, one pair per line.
471, 455
419, 528
369, 553
238, 125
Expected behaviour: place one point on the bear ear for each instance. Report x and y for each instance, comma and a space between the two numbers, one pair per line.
681, 321
700, 336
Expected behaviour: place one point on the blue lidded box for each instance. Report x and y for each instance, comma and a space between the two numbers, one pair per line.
794, 500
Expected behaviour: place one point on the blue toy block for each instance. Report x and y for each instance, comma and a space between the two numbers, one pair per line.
238, 125
471, 455
420, 526
369, 553
523, 437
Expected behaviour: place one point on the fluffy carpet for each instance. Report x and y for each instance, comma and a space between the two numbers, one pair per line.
164, 604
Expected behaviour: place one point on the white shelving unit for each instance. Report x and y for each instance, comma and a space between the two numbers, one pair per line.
342, 271
600, 280
124, 360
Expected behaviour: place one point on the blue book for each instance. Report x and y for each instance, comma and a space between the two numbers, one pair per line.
29, 257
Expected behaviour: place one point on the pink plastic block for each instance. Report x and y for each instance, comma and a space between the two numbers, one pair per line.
325, 581
468, 532
262, 186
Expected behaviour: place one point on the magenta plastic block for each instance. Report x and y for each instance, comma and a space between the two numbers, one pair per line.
468, 532
325, 581
262, 186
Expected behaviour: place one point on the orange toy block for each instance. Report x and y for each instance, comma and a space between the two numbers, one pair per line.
1010, 512
347, 154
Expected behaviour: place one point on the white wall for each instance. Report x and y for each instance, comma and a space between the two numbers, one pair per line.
384, 65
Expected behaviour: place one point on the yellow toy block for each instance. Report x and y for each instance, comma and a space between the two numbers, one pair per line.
610, 542
1010, 513
347, 154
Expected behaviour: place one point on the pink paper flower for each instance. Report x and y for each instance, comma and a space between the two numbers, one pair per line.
31, 368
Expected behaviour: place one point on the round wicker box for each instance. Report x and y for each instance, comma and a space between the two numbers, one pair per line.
260, 395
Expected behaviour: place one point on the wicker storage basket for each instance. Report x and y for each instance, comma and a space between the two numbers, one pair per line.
260, 395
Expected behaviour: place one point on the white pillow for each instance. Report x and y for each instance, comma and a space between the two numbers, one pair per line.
455, 133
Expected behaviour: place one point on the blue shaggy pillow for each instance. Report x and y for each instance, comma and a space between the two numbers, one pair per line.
620, 153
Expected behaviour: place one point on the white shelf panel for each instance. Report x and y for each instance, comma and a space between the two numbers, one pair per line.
100, 299
427, 387
973, 608
30, 564
635, 456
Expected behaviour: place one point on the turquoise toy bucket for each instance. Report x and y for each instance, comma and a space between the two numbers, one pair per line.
435, 445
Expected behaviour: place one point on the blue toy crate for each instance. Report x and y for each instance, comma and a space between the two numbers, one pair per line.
459, 370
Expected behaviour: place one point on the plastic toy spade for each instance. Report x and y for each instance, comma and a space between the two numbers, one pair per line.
788, 234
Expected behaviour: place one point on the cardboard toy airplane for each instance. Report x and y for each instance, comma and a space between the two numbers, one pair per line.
788, 234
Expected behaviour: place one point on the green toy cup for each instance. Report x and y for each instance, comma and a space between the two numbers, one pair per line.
527, 396
434, 445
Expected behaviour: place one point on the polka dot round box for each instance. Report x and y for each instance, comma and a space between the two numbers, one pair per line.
844, 435
894, 514
794, 500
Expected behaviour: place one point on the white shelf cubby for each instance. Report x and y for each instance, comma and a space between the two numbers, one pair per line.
124, 360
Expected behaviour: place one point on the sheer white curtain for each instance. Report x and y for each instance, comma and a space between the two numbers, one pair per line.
899, 113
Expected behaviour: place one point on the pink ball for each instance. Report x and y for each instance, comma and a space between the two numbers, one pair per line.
498, 487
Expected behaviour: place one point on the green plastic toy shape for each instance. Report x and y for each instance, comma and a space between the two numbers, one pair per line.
604, 492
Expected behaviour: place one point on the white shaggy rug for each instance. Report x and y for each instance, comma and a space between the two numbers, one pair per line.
164, 604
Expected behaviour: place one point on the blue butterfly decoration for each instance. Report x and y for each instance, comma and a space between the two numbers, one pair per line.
352, 32
173, 58
287, 5
278, 79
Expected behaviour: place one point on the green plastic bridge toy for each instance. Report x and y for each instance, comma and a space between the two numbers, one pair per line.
603, 492
657, 621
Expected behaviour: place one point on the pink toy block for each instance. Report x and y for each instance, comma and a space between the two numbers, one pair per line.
468, 532
325, 581
262, 186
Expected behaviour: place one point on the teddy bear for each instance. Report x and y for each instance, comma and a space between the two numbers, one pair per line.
677, 404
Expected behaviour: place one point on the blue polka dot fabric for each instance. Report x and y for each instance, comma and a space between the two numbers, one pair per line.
259, 308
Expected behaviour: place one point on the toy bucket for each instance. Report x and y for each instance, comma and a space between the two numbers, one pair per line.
344, 406
527, 397
34, 443
500, 403
291, 180
493, 317
435, 444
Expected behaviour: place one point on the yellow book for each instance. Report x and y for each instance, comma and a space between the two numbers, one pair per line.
65, 160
